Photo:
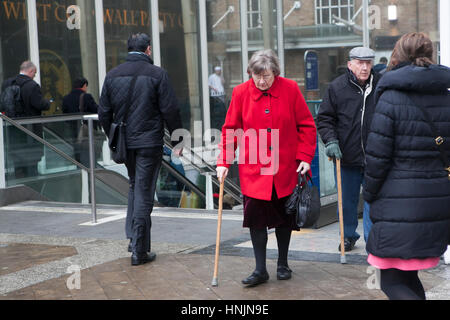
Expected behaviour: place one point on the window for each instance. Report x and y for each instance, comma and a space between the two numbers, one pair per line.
326, 9
254, 14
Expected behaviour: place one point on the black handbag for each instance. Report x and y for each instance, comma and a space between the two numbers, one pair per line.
304, 202
117, 139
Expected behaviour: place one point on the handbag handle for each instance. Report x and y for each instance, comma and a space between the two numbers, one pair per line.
303, 178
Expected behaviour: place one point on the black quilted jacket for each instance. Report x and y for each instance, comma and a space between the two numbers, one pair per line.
345, 115
405, 180
153, 102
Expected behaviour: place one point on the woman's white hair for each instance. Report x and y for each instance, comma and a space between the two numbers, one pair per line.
264, 60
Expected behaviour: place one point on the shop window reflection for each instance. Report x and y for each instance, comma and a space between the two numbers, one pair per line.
67, 48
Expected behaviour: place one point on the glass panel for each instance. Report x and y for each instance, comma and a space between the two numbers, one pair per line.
13, 37
265, 36
416, 16
27, 158
334, 11
122, 18
29, 162
344, 14
67, 48
224, 51
333, 43
180, 55
326, 16
171, 192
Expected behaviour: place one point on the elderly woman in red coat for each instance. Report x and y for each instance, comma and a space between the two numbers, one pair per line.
270, 122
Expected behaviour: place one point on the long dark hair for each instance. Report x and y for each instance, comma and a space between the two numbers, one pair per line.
415, 48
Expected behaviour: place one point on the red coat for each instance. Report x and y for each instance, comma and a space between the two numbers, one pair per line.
262, 116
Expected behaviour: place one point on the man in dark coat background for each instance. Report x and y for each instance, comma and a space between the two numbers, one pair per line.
343, 123
25, 151
152, 104
78, 99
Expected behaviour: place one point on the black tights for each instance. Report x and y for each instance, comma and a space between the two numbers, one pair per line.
259, 242
401, 285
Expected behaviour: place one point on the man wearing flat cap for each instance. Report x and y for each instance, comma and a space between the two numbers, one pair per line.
343, 123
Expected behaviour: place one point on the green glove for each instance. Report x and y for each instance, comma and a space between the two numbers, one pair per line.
332, 149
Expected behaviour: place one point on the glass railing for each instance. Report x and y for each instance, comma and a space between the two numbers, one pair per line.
42, 154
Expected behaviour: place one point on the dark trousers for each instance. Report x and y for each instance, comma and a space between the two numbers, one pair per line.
143, 169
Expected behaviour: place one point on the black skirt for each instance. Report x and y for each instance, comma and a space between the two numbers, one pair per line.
260, 214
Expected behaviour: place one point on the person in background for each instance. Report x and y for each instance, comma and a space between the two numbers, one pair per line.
406, 180
25, 151
153, 104
270, 111
216, 84
379, 67
80, 101
343, 122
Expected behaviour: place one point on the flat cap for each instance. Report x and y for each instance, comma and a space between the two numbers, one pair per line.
362, 53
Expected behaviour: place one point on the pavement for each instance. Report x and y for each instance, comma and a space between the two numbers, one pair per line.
53, 251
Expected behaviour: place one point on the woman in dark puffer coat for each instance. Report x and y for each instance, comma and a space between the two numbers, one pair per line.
405, 178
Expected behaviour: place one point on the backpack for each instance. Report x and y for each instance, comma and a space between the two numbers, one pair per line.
11, 101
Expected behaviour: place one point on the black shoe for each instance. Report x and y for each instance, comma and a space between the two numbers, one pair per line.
349, 244
141, 258
283, 273
130, 247
256, 278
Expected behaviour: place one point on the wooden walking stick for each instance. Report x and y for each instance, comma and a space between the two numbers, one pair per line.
341, 215
214, 282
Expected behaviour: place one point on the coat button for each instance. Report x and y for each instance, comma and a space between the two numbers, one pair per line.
267, 111
270, 148
269, 130
265, 94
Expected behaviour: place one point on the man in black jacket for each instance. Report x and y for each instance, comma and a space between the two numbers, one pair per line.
343, 122
79, 101
25, 151
152, 103
30, 91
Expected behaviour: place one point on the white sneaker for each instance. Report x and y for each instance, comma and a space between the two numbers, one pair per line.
447, 256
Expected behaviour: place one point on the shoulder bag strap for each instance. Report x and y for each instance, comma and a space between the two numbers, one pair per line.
128, 102
81, 103
439, 140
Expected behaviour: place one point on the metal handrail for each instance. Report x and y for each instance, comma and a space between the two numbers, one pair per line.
53, 118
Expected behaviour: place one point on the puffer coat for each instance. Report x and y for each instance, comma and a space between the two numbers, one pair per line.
152, 104
405, 179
